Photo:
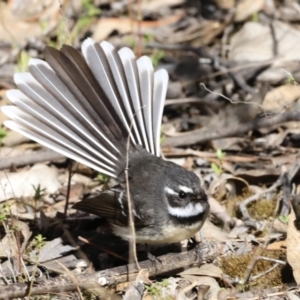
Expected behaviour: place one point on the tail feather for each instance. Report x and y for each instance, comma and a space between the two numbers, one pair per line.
121, 83
130, 67
59, 104
159, 94
98, 63
52, 119
44, 140
82, 84
82, 106
145, 71
45, 131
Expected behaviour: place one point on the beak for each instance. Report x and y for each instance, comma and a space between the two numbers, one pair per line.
201, 197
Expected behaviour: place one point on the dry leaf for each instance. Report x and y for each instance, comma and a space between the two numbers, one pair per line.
21, 184
106, 26
247, 8
204, 270
213, 233
279, 245
244, 42
9, 246
13, 28
52, 250
281, 97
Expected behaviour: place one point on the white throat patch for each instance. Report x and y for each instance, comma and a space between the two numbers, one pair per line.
189, 210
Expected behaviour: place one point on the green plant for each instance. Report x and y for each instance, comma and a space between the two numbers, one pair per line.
103, 179
44, 24
90, 11
291, 79
4, 212
156, 56
38, 242
162, 138
217, 166
157, 290
284, 219
38, 193
255, 17
22, 63
3, 133
148, 37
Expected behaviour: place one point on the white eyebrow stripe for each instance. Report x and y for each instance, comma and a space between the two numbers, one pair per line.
170, 191
186, 189
189, 210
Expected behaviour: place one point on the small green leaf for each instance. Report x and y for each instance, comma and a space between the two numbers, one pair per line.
255, 17
3, 132
162, 138
103, 179
284, 219
38, 192
220, 154
218, 170
38, 242
23, 61
156, 56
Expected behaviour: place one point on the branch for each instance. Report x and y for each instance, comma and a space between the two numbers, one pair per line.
201, 136
114, 276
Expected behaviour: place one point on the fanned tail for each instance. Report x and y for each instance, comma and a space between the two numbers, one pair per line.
83, 106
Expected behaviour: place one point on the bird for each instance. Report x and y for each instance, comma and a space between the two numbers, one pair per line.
103, 107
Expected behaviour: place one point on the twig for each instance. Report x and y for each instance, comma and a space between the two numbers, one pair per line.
252, 264
277, 261
268, 296
130, 213
68, 189
29, 159
72, 277
264, 273
116, 275
200, 135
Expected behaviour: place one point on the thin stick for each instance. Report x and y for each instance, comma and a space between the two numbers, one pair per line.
131, 220
68, 190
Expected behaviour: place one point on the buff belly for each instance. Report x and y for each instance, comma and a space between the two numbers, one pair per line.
169, 234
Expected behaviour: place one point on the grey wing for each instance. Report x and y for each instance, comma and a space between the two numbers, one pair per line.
111, 204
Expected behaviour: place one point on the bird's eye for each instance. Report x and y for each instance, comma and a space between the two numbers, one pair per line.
182, 194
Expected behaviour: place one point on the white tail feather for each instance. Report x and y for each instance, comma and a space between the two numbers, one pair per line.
36, 112
130, 67
44, 130
48, 112
120, 81
99, 65
145, 70
51, 82
159, 94
24, 130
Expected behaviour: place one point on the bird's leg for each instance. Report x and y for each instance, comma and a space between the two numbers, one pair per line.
198, 240
152, 257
